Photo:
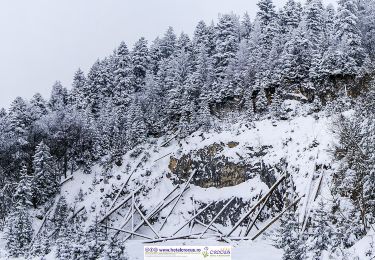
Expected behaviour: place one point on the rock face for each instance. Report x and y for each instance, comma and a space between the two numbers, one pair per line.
212, 168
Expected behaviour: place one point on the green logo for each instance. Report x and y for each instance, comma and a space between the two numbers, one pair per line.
205, 253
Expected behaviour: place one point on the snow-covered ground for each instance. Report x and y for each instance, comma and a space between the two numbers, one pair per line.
303, 142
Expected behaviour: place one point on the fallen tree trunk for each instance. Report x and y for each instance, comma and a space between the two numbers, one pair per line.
277, 217
274, 186
119, 205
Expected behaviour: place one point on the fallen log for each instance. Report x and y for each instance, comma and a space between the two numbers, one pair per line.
128, 232
162, 157
121, 189
192, 218
217, 215
274, 186
119, 205
277, 217
66, 179
178, 199
257, 215
145, 220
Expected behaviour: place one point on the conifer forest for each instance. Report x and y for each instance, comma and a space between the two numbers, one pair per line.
253, 132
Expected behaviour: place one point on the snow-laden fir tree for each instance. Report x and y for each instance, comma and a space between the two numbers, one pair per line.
23, 194
60, 216
227, 39
290, 239
123, 76
114, 249
38, 107
321, 231
59, 97
45, 178
77, 94
19, 232
140, 62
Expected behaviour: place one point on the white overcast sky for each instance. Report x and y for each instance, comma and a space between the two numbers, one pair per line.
42, 41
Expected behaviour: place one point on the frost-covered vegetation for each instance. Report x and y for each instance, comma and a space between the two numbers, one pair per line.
290, 91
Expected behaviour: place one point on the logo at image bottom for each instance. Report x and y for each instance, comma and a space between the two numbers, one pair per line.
187, 252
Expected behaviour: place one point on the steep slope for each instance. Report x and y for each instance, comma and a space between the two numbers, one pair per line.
257, 155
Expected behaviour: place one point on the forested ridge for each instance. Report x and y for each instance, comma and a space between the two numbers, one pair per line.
237, 69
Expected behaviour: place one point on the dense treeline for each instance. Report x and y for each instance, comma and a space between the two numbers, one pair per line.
178, 84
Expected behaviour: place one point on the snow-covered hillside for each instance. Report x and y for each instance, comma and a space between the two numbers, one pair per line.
302, 144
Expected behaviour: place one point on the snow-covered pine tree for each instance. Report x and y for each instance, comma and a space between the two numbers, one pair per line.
350, 54
95, 239
290, 239
60, 216
140, 59
45, 178
63, 242
321, 231
136, 127
38, 107
77, 94
277, 107
123, 77
19, 232
226, 39
366, 17
59, 97
168, 43
261, 103
40, 246
249, 105
246, 27
114, 250
23, 194
290, 16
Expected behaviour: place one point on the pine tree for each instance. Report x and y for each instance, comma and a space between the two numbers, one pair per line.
45, 179
136, 127
140, 59
290, 238
367, 25
203, 75
321, 231
41, 246
59, 97
266, 13
249, 105
114, 250
277, 108
60, 215
227, 39
168, 43
20, 123
296, 60
290, 16
246, 27
23, 193
77, 95
19, 232
350, 53
268, 32
64, 242
261, 102
38, 107
123, 76
95, 239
